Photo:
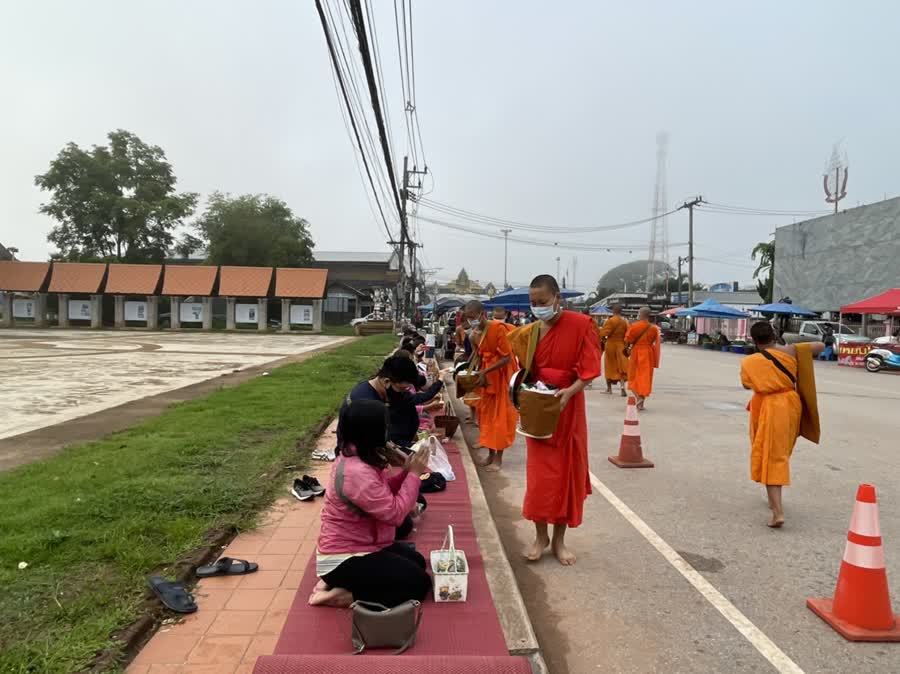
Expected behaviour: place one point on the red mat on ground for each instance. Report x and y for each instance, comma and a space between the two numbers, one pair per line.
380, 664
461, 628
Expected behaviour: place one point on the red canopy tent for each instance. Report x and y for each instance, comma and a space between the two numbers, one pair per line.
887, 302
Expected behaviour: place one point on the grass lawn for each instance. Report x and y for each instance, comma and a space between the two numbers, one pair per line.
94, 521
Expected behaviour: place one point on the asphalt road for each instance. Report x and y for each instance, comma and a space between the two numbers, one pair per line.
626, 608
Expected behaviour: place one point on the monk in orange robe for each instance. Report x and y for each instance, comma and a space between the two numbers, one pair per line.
567, 357
499, 314
614, 359
643, 337
783, 407
497, 416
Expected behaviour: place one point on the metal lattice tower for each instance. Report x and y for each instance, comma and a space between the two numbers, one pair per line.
659, 228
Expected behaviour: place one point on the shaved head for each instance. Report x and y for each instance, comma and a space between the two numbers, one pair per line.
644, 313
616, 309
473, 305
545, 281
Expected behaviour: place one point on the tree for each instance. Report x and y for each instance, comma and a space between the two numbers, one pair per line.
765, 250
631, 276
254, 230
113, 202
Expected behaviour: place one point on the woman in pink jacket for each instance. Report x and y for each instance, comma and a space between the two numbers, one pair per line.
356, 557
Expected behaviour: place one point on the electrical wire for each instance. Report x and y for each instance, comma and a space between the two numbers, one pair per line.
387, 109
340, 77
567, 245
714, 207
473, 216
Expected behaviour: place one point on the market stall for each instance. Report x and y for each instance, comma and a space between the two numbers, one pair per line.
884, 304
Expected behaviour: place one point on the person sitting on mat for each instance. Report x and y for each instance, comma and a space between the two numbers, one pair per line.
356, 556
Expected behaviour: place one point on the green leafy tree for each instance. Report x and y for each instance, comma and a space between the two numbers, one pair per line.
113, 202
254, 230
765, 286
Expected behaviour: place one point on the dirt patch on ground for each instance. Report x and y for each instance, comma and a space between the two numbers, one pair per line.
39, 444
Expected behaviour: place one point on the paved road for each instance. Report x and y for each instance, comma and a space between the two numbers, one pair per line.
625, 608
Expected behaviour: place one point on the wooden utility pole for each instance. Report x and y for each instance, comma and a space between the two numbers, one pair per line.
690, 206
404, 237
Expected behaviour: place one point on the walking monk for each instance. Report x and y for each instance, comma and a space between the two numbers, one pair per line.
496, 415
783, 407
614, 359
643, 340
568, 357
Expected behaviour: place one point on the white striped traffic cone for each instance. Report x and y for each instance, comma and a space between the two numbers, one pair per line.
861, 608
630, 453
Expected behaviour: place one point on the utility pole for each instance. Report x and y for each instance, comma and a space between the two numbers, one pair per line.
404, 193
505, 253
678, 289
690, 206
574, 269
407, 289
557, 268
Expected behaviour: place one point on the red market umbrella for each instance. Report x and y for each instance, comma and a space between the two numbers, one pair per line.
887, 302
670, 312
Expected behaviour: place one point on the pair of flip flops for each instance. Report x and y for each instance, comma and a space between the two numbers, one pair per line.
174, 595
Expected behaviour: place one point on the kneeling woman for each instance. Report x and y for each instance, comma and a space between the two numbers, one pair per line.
357, 558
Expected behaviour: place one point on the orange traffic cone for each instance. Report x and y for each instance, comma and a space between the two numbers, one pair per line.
861, 608
630, 453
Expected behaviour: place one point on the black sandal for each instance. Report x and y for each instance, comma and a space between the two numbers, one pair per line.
227, 566
172, 595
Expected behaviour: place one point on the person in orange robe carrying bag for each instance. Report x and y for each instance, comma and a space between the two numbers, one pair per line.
615, 361
567, 356
783, 407
642, 349
496, 414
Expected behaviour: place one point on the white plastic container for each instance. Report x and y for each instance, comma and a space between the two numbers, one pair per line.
450, 569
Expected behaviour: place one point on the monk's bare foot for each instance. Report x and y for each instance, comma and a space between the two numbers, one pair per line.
609, 391
536, 551
563, 554
337, 597
492, 467
777, 521
487, 461
624, 395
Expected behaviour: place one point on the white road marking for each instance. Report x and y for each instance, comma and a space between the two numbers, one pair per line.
779, 660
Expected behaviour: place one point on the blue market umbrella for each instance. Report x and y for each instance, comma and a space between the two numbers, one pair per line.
600, 310
518, 298
783, 308
711, 309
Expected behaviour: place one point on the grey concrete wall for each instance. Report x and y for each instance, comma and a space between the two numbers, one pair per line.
827, 262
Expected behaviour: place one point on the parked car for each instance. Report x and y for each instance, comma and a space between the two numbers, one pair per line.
364, 319
814, 331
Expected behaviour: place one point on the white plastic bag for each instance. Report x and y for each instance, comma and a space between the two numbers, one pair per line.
439, 461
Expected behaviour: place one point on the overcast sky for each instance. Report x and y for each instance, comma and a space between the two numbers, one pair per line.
534, 111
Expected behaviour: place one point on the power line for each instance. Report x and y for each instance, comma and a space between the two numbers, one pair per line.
387, 109
567, 245
343, 88
351, 73
517, 224
744, 210
362, 38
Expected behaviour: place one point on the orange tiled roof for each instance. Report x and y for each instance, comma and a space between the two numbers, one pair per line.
300, 283
133, 279
245, 281
77, 277
189, 280
26, 277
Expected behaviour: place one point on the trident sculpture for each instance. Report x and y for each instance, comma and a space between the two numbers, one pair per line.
836, 190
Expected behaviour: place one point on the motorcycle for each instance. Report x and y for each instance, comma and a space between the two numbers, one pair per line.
883, 359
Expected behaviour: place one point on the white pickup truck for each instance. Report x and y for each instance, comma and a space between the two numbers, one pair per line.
814, 331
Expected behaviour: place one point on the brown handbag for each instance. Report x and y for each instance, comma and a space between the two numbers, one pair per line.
377, 626
629, 347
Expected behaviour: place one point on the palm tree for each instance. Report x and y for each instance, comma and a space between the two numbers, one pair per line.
766, 266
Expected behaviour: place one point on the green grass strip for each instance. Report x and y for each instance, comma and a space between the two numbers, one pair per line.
95, 520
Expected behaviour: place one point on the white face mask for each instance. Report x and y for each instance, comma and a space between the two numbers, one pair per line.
544, 313
474, 322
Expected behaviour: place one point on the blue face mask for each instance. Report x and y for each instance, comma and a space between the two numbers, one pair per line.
544, 313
